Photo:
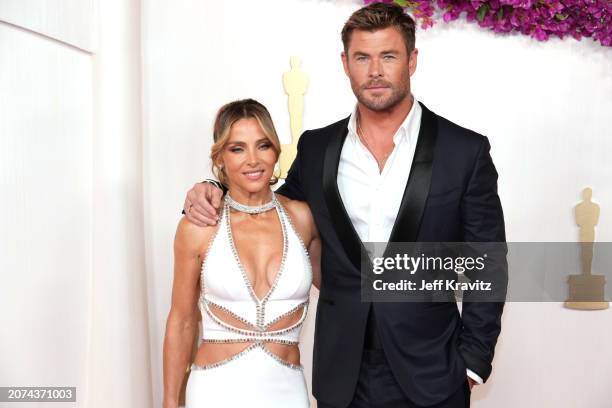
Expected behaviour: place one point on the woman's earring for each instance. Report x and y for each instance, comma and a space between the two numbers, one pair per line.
275, 178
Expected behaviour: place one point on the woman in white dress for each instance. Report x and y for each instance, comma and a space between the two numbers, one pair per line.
249, 276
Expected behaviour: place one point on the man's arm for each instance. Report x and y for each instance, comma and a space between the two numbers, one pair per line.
483, 221
293, 186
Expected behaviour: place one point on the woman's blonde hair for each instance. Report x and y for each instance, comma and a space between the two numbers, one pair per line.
232, 113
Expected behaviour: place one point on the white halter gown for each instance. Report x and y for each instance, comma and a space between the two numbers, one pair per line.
255, 377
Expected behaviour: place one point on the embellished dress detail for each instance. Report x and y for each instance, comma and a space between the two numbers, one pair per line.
254, 377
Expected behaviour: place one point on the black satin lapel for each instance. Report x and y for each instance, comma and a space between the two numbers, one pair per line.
339, 217
409, 216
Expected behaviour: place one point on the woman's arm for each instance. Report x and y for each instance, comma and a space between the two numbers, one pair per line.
182, 320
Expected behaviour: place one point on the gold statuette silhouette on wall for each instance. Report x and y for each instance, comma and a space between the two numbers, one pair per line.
586, 290
295, 82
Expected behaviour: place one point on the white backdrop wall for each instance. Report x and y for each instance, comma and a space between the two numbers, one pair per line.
73, 298
46, 129
119, 369
106, 112
545, 107
72, 22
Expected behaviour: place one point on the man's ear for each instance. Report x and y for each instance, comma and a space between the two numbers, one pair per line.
344, 58
412, 63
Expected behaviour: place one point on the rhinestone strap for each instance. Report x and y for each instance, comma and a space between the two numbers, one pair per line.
227, 360
253, 333
253, 346
295, 309
295, 231
232, 314
204, 268
280, 360
251, 209
260, 303
251, 339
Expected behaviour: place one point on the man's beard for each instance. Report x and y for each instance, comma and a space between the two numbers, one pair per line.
380, 104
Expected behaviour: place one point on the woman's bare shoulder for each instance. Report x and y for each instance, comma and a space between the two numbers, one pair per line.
192, 237
299, 207
299, 211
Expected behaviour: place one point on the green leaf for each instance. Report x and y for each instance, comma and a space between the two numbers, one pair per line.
482, 11
500, 13
403, 3
561, 17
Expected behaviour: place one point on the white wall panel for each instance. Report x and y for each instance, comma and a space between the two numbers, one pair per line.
119, 365
45, 210
69, 21
73, 304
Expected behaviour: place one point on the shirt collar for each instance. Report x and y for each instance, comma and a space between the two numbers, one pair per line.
407, 132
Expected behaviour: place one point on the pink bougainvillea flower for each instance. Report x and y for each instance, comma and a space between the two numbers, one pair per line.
539, 19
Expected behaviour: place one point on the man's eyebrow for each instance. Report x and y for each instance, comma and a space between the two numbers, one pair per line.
365, 54
390, 52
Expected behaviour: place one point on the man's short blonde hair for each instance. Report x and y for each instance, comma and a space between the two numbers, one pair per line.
378, 16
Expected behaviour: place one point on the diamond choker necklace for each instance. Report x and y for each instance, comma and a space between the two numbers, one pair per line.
251, 209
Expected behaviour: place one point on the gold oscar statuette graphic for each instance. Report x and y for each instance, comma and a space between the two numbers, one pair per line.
586, 291
295, 82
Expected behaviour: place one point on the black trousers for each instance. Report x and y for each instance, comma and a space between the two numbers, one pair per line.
377, 388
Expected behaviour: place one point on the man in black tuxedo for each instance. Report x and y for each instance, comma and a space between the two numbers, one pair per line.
392, 171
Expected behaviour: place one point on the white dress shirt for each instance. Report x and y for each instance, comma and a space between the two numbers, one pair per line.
372, 198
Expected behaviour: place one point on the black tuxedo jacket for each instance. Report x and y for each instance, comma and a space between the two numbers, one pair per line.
450, 196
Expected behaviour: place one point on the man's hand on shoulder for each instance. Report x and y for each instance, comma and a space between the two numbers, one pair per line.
202, 204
